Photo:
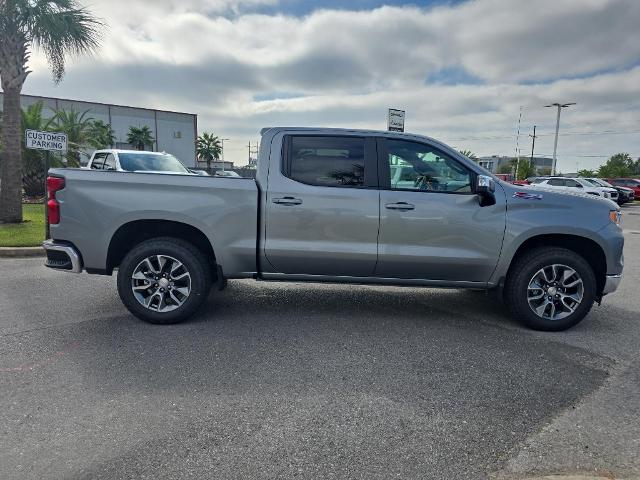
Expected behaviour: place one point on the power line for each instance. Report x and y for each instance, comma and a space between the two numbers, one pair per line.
505, 137
583, 156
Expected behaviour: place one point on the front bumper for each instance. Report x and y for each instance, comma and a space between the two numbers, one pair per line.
62, 256
611, 283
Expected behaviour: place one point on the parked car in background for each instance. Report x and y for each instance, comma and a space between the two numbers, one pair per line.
632, 183
323, 208
200, 172
136, 161
625, 194
576, 184
507, 177
226, 173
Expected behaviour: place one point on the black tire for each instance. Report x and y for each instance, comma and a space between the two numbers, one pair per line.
522, 272
193, 260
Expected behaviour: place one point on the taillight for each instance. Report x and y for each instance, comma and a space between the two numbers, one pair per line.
53, 207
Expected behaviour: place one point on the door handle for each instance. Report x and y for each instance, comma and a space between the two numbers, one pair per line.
400, 206
287, 201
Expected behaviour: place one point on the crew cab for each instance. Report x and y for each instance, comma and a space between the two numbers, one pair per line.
337, 205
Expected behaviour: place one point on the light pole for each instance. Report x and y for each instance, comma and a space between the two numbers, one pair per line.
560, 106
222, 140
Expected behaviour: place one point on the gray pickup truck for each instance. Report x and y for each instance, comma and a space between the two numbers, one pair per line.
332, 205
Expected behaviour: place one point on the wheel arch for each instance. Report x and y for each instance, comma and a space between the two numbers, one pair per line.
587, 248
135, 232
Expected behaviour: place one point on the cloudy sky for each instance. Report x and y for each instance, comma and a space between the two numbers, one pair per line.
462, 70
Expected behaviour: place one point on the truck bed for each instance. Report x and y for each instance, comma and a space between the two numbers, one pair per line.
95, 205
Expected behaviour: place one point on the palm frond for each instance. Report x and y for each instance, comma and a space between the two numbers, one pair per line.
60, 28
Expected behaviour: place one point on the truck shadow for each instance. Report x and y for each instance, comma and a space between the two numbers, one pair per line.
332, 302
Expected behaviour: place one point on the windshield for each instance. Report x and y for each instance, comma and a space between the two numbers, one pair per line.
587, 182
600, 182
159, 162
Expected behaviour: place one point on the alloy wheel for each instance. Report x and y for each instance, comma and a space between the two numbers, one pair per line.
161, 283
555, 292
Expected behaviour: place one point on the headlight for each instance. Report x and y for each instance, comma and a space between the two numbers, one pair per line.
615, 216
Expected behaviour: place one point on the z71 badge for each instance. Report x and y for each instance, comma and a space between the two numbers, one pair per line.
528, 196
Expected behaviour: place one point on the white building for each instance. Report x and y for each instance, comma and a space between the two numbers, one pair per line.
174, 132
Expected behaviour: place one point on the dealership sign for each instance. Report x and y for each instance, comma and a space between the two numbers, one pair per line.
37, 140
396, 120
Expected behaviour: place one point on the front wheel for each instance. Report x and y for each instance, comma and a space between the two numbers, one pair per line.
164, 280
550, 288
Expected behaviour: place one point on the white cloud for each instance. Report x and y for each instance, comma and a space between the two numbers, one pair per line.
345, 68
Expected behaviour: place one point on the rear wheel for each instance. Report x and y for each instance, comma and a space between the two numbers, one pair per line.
164, 280
550, 288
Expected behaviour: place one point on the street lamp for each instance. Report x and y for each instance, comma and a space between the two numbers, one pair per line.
559, 106
222, 140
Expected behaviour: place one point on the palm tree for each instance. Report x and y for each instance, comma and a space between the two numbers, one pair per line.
208, 147
101, 135
59, 28
33, 160
469, 154
140, 137
77, 126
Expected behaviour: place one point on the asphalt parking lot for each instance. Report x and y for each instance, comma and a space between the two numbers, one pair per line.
275, 380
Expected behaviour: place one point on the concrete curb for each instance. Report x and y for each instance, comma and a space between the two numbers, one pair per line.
17, 252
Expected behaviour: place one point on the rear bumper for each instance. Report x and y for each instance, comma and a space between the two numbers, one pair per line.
611, 283
62, 256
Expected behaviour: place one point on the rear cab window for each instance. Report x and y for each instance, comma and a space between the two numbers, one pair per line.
98, 161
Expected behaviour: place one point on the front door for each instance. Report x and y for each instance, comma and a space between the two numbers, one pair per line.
432, 226
322, 207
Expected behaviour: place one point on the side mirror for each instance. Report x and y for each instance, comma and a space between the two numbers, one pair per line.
485, 188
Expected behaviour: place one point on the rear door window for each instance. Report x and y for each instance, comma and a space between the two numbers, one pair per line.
556, 182
327, 161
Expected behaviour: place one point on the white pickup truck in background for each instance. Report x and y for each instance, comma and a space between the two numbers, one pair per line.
136, 161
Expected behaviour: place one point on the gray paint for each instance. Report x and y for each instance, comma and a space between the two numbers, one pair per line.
335, 234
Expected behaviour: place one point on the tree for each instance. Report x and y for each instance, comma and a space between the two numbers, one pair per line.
504, 169
78, 128
59, 28
140, 137
469, 154
101, 135
33, 160
525, 169
619, 165
586, 173
208, 147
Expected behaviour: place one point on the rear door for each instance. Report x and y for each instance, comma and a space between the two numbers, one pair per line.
432, 226
322, 206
